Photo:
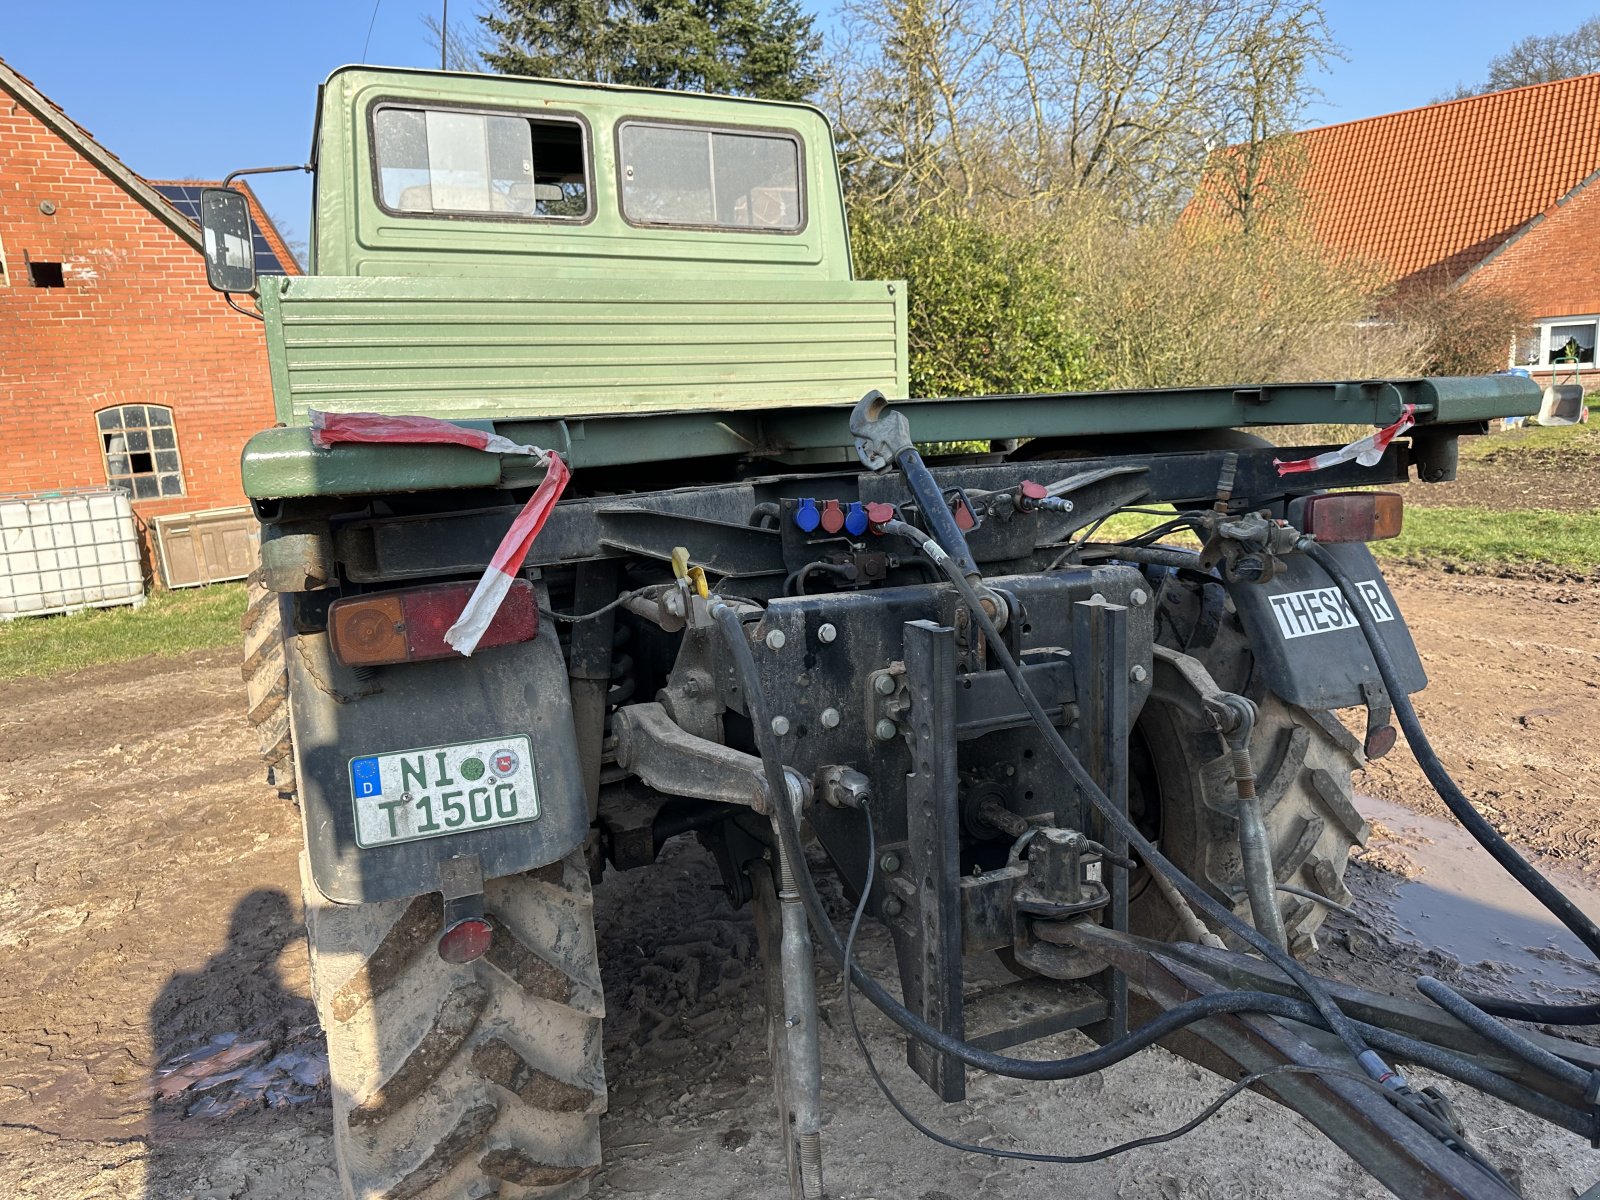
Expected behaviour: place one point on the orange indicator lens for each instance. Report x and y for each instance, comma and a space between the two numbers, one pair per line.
1352, 516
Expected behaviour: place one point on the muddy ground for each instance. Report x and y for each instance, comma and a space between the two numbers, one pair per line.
149, 910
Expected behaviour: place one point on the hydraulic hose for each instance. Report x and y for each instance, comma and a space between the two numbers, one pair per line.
1455, 800
1088, 1063
1534, 1013
1153, 1031
1336, 1020
1504, 1036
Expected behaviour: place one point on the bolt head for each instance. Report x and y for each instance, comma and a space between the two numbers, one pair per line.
826, 634
1138, 674
892, 907
775, 640
886, 730
830, 718
780, 725
884, 685
1139, 597
889, 862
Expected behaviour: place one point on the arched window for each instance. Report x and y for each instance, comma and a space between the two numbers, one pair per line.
140, 447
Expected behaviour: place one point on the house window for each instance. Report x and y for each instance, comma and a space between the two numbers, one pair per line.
703, 178
1570, 342
140, 448
454, 162
46, 275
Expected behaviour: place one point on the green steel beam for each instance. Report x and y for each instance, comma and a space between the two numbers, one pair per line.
281, 463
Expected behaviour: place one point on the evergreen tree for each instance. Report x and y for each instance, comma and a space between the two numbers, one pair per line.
763, 48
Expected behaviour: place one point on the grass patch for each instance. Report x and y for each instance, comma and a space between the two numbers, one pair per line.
1537, 442
1481, 535
169, 624
1478, 536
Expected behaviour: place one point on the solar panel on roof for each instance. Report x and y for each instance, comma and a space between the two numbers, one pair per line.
186, 199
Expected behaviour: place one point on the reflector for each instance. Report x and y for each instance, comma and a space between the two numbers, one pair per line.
466, 940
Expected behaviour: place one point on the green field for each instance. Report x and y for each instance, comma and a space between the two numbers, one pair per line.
169, 623
1480, 536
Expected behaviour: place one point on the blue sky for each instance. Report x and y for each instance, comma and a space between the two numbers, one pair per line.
184, 88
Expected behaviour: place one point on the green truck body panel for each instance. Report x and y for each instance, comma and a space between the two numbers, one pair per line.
517, 347
282, 463
616, 340
355, 235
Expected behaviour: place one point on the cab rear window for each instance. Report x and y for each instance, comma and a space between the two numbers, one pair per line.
456, 162
696, 177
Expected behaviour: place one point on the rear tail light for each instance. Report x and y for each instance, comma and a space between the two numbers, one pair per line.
409, 625
466, 940
1349, 516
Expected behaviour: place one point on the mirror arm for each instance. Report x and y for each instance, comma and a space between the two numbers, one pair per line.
228, 182
251, 313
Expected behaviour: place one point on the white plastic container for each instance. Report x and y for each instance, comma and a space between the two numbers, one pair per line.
69, 550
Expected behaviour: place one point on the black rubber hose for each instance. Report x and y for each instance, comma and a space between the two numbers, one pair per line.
1088, 1063
1266, 1003
1502, 1035
1474, 1075
1534, 1013
1455, 800
1336, 1020
930, 499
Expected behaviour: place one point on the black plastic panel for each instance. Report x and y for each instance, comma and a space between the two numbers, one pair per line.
1307, 644
507, 690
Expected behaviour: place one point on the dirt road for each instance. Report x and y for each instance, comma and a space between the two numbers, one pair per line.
149, 910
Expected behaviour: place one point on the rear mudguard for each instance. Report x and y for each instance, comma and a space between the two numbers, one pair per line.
507, 691
1305, 640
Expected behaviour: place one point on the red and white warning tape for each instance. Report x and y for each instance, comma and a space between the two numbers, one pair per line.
1367, 451
328, 429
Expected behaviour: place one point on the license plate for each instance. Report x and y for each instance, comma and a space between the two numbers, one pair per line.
439, 790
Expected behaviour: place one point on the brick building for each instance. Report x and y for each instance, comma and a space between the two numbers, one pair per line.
1500, 190
119, 364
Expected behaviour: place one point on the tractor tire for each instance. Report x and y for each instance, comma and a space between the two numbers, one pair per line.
1183, 789
266, 683
451, 1082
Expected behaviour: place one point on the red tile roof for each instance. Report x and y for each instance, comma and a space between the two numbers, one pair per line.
1433, 191
1553, 262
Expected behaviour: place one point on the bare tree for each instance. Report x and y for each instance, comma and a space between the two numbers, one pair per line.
1259, 173
1540, 59
1023, 102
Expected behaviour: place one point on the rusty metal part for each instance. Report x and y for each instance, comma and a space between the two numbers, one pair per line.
1400, 1154
672, 760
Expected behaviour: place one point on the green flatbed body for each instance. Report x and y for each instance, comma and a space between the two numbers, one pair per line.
618, 333
282, 463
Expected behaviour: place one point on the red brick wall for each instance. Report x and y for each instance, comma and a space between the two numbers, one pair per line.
135, 324
1555, 266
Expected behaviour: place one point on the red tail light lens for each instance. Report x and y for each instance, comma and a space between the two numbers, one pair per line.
409, 625
1349, 516
466, 940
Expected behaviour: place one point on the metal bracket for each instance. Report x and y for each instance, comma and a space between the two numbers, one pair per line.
928, 938
653, 747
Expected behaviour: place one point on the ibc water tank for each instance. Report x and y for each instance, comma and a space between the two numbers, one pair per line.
69, 550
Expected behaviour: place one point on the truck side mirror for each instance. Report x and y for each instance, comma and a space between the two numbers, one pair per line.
229, 248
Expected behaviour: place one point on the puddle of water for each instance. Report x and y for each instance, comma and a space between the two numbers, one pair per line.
1465, 904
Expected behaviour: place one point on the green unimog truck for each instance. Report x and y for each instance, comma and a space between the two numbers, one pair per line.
758, 615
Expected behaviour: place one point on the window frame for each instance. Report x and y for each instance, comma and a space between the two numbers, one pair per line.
803, 186
556, 116
1547, 330
126, 481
